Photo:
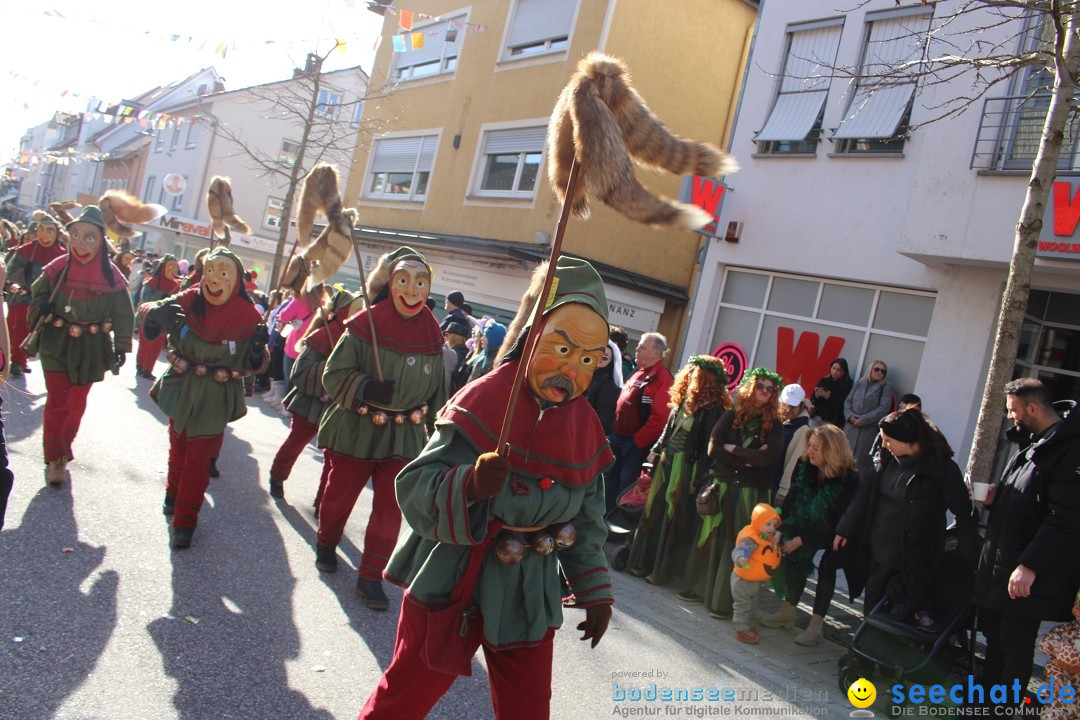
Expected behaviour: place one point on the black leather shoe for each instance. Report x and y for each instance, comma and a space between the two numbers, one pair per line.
371, 592
181, 538
213, 468
169, 506
325, 558
26, 369
16, 371
277, 489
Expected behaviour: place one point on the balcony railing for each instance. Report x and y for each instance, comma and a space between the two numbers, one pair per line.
1010, 131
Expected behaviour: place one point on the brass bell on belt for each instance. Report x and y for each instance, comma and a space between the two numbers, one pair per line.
93, 328
75, 330
510, 550
180, 365
544, 544
416, 417
379, 417
565, 536
363, 409
58, 322
106, 326
399, 419
201, 369
221, 375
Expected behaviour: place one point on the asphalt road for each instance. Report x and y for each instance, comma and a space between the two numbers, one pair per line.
100, 619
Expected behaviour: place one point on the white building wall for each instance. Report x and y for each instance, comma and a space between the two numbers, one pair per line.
922, 221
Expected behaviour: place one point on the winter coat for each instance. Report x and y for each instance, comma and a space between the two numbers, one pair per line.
870, 401
603, 394
831, 409
1035, 521
749, 465
935, 486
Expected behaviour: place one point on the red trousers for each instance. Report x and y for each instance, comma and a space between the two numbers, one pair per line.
346, 478
189, 474
520, 678
18, 329
148, 353
300, 434
64, 407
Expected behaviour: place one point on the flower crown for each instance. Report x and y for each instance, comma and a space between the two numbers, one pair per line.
758, 373
713, 365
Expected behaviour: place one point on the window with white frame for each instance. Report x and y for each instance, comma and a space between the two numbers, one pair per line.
401, 167
798, 324
192, 135
288, 153
794, 123
175, 141
510, 162
328, 103
273, 215
159, 141
358, 112
540, 26
150, 181
877, 117
439, 54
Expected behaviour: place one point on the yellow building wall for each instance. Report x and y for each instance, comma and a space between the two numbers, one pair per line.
686, 61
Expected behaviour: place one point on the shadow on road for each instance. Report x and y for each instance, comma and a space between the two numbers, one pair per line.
232, 610
45, 607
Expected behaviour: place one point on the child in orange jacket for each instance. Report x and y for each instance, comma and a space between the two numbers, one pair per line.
756, 557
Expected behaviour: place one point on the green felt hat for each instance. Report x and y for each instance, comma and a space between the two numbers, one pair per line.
91, 214
33, 226
403, 253
576, 281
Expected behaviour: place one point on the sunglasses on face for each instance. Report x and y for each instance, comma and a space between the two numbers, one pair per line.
878, 370
767, 389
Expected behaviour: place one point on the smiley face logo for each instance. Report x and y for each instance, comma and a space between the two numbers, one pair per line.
862, 693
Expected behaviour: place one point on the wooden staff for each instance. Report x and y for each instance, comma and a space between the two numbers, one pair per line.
503, 448
367, 303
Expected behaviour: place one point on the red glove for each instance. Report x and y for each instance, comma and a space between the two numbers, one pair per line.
596, 621
488, 476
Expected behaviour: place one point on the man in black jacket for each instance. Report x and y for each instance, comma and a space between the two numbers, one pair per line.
1030, 567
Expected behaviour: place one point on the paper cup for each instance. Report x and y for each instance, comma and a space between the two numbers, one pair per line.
979, 491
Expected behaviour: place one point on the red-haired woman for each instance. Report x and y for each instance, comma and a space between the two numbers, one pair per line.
664, 537
745, 445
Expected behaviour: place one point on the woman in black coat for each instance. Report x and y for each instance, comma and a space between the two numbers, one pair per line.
603, 391
900, 516
830, 392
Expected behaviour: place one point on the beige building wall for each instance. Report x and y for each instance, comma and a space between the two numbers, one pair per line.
686, 61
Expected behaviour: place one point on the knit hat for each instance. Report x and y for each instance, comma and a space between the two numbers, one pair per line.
900, 426
91, 214
457, 328
456, 298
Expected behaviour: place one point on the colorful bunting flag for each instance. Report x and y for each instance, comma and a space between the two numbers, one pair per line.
405, 20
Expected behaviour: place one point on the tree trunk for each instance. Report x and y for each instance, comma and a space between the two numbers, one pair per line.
294, 176
1028, 229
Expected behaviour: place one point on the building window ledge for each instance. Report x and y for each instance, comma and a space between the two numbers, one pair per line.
856, 156
779, 156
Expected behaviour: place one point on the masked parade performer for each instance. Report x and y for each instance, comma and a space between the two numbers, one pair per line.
25, 264
374, 427
491, 533
86, 323
163, 283
217, 337
307, 399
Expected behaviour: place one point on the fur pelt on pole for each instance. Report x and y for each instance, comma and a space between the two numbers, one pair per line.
60, 210
600, 118
331, 249
120, 210
516, 330
219, 203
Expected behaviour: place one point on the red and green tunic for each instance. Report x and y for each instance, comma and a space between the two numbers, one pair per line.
25, 264
410, 350
305, 397
552, 481
85, 358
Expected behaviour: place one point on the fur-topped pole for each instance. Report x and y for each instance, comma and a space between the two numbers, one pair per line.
600, 118
331, 249
219, 203
515, 331
120, 210
62, 210
296, 274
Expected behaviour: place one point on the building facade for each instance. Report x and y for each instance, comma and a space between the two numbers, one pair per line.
460, 169
871, 233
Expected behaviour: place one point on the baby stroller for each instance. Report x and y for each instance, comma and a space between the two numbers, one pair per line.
888, 646
622, 520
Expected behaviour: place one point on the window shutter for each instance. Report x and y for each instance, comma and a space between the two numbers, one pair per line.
540, 20
522, 140
396, 154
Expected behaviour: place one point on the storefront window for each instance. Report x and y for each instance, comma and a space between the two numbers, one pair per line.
798, 325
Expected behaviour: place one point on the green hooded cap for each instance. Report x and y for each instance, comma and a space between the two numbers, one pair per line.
91, 214
576, 281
